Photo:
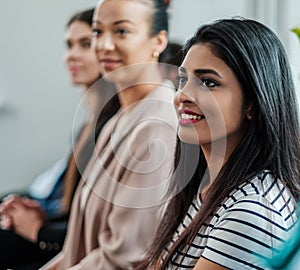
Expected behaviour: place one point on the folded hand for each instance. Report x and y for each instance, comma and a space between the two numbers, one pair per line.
23, 215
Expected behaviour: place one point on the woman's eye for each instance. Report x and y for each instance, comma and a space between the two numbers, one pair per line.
210, 83
182, 80
86, 44
122, 32
68, 45
96, 32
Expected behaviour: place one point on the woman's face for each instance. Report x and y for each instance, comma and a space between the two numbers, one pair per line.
212, 112
121, 36
80, 57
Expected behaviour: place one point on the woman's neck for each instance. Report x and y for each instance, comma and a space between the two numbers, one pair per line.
133, 94
216, 154
92, 101
146, 81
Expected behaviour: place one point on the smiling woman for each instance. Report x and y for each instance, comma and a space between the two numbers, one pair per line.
115, 211
238, 203
220, 101
80, 59
33, 231
117, 35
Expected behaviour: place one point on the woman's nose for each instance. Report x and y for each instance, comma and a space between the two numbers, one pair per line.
181, 97
73, 53
104, 43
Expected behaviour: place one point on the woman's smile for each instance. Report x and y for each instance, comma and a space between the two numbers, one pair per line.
188, 117
109, 63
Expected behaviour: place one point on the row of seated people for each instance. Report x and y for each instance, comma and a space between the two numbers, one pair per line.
213, 184
46, 204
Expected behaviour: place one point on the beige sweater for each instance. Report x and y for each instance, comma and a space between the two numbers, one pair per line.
115, 211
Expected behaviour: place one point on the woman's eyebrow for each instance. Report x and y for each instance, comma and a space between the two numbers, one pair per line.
201, 71
115, 23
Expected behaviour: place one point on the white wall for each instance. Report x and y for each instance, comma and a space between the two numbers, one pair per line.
187, 15
37, 102
292, 19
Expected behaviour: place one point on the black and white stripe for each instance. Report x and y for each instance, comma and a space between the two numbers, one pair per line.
252, 223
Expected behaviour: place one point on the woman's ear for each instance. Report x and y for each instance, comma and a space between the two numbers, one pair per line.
160, 41
249, 111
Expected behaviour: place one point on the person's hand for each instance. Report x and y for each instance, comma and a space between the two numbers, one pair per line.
5, 222
23, 215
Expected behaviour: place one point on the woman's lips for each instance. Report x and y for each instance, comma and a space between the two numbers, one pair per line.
74, 70
187, 117
109, 64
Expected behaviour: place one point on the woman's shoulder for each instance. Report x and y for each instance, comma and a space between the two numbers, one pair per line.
263, 185
256, 216
261, 194
155, 113
159, 102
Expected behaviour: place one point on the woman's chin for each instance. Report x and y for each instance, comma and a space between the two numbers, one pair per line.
188, 139
188, 136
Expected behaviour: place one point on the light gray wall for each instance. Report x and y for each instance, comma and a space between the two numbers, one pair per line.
37, 102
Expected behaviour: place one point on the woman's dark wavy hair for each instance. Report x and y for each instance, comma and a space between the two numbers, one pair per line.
160, 16
259, 61
83, 16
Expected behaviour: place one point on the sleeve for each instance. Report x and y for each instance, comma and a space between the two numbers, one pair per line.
147, 159
245, 234
135, 212
51, 237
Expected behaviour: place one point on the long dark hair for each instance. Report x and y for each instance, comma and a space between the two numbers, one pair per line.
160, 16
85, 16
272, 141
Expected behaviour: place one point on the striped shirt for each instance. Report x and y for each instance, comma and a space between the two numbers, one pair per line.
254, 220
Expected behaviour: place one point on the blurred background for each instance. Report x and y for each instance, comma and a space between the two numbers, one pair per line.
38, 102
